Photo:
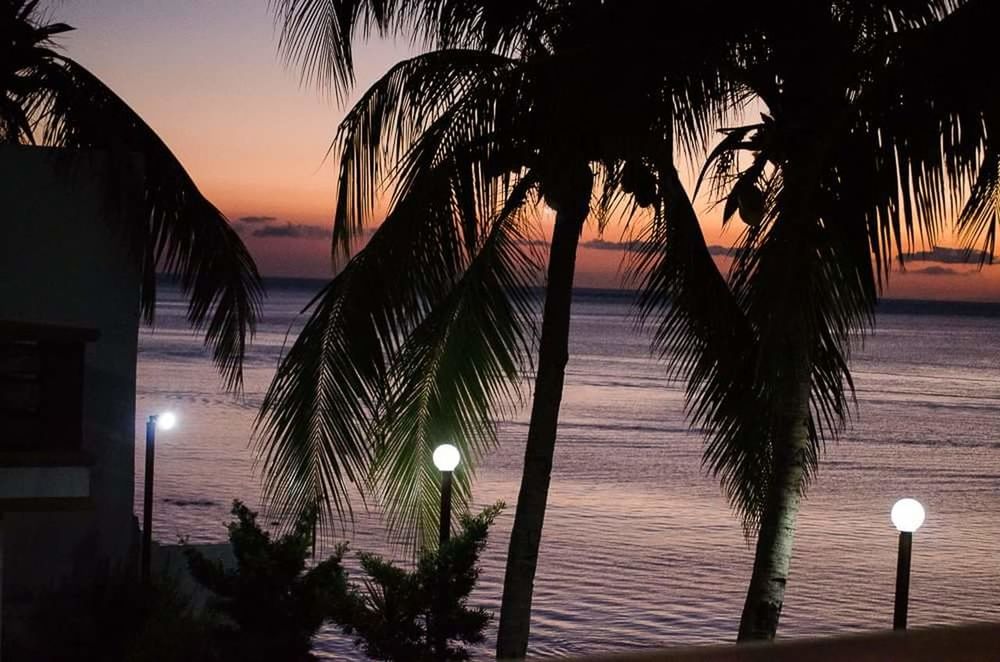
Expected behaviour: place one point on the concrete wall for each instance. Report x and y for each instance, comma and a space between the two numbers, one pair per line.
955, 643
61, 262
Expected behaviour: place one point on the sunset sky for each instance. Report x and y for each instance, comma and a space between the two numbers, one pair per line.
205, 75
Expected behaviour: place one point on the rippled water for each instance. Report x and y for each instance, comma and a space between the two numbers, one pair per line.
639, 548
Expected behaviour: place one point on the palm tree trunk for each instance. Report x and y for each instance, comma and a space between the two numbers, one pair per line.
553, 353
773, 555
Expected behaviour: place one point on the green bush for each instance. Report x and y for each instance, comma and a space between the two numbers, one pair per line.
421, 615
271, 603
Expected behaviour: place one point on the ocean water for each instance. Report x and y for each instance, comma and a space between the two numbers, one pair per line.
640, 548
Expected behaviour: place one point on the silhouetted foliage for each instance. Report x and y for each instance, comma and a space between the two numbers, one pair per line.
49, 99
113, 618
272, 603
880, 124
422, 615
429, 330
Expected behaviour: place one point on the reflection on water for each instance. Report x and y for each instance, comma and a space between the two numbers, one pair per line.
639, 547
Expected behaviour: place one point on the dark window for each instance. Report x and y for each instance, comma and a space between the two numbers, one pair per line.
41, 387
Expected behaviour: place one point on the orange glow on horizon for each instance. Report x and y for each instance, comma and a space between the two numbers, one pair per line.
208, 80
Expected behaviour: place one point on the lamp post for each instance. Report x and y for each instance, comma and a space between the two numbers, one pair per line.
907, 515
446, 458
164, 421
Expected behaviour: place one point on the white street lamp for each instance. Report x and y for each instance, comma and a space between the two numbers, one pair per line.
165, 421
446, 458
907, 516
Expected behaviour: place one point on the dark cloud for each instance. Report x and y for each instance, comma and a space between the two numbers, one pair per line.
724, 251
269, 226
937, 254
937, 271
635, 245
255, 220
604, 245
290, 230
944, 255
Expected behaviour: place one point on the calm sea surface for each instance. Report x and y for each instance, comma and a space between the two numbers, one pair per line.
639, 548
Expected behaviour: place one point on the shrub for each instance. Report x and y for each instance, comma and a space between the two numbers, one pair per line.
421, 615
273, 605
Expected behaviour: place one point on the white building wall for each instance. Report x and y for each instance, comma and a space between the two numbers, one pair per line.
62, 262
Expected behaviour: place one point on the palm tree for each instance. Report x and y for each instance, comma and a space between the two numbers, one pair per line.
424, 334
765, 354
46, 98
855, 154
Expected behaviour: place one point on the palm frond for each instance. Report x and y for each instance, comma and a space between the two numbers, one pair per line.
458, 373
179, 232
700, 330
807, 287
27, 50
978, 221
314, 433
501, 27
426, 129
382, 127
50, 99
318, 36
928, 127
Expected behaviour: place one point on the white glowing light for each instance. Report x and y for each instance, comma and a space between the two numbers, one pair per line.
446, 457
907, 515
166, 420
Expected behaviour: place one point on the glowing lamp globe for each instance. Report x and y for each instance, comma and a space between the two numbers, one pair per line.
166, 420
446, 457
907, 515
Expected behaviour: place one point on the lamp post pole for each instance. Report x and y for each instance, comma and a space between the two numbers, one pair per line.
902, 580
907, 515
147, 501
444, 525
446, 457
165, 420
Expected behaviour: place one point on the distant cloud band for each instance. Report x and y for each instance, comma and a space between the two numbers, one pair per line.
937, 254
938, 271
290, 230
636, 245
268, 226
254, 220
945, 255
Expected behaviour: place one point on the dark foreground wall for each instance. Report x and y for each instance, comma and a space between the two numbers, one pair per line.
61, 262
965, 643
